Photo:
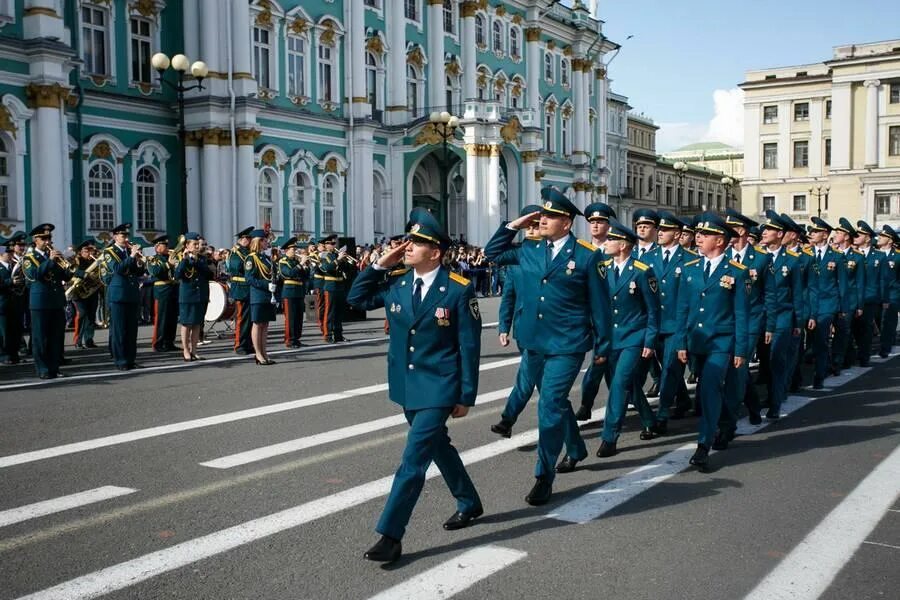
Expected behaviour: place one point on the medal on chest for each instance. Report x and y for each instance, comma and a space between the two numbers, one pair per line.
443, 316
570, 266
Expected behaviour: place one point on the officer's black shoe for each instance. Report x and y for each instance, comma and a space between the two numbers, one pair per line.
701, 456
835, 370
243, 351
46, 376
660, 427
583, 413
647, 434
884, 354
678, 413
90, 344
123, 368
606, 449
503, 428
566, 465
339, 339
692, 378
79, 346
754, 418
818, 385
61, 374
385, 550
461, 519
773, 415
540, 493
720, 442
653, 392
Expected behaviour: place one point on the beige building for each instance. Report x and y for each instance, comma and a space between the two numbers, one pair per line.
712, 155
825, 138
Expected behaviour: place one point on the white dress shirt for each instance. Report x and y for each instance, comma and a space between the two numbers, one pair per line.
714, 263
558, 245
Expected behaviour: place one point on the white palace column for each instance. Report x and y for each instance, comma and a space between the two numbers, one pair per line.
49, 149
602, 108
872, 86
493, 190
436, 78
578, 146
395, 21
210, 174
246, 179
533, 68
243, 83
41, 20
360, 102
192, 162
467, 11
360, 201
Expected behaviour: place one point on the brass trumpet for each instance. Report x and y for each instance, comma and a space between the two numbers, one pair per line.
347, 257
63, 263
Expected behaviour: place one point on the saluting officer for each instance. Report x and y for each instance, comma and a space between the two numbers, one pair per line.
890, 242
598, 215
294, 274
713, 317
634, 299
45, 276
165, 296
194, 274
435, 344
240, 292
874, 292
125, 266
13, 298
842, 350
565, 312
333, 288
828, 295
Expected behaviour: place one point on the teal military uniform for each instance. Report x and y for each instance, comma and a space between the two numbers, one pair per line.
828, 299
873, 294
891, 303
566, 309
432, 366
293, 277
334, 295
165, 300
240, 293
259, 271
123, 296
13, 303
194, 275
842, 351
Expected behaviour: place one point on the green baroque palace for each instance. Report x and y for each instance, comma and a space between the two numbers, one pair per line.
313, 117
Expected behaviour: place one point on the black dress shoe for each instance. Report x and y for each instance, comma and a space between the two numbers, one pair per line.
701, 456
773, 415
503, 428
385, 550
540, 493
65, 361
678, 413
566, 465
90, 344
647, 434
720, 442
46, 376
79, 346
61, 374
653, 392
818, 385
606, 449
754, 418
583, 414
884, 354
461, 519
243, 351
660, 427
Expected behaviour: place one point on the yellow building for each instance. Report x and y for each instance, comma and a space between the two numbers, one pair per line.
824, 138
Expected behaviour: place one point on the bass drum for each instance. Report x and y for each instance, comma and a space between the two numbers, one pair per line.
221, 306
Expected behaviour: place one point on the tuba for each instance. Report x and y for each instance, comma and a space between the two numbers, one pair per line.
81, 288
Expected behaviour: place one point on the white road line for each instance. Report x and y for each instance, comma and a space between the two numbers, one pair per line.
455, 575
882, 545
810, 568
48, 507
327, 437
142, 434
140, 569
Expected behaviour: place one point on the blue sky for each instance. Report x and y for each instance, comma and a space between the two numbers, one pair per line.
683, 52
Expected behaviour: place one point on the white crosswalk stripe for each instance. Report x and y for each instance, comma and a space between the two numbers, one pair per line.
55, 505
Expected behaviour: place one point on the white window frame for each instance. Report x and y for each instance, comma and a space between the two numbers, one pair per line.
417, 5
497, 45
333, 61
109, 30
565, 130
101, 201
893, 140
144, 186
548, 56
152, 39
765, 197
7, 156
549, 131
274, 203
336, 208
565, 73
454, 17
795, 155
799, 211
770, 120
377, 71
258, 59
291, 56
800, 118
775, 165
153, 155
515, 36
481, 23
302, 184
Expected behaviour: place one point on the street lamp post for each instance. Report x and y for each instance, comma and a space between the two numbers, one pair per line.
444, 125
681, 169
727, 182
820, 191
180, 64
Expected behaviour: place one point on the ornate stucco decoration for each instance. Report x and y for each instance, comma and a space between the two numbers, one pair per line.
510, 132
415, 57
299, 26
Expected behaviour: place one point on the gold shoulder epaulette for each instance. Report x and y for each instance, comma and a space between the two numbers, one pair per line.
398, 272
608, 262
738, 265
692, 252
459, 279
533, 238
587, 245
761, 249
641, 266
858, 252
808, 251
692, 262
792, 253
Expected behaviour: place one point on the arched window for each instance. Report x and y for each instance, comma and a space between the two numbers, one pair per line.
479, 31
412, 91
549, 132
4, 179
548, 67
564, 72
482, 82
265, 196
329, 204
448, 94
146, 188
497, 36
514, 42
299, 204
101, 197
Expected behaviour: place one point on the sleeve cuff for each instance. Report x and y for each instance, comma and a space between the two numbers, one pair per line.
378, 267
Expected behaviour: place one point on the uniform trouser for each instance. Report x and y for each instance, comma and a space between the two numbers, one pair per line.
590, 384
554, 376
636, 396
671, 382
293, 320
784, 353
85, 318
334, 314
712, 370
48, 336
11, 325
165, 322
864, 333
625, 366
320, 309
888, 329
840, 345
426, 442
738, 387
795, 359
820, 347
242, 326
123, 329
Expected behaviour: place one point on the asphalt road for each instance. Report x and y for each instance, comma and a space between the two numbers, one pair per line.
226, 480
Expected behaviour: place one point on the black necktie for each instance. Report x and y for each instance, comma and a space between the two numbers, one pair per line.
666, 259
819, 254
549, 257
641, 252
706, 271
417, 294
616, 270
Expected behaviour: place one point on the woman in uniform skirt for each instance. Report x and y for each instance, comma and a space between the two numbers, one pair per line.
260, 273
194, 273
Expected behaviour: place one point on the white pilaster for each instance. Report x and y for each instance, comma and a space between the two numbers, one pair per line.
580, 113
816, 144
493, 194
362, 218
841, 125
872, 87
194, 200
436, 78
246, 187
752, 145
600, 150
785, 147
47, 190
360, 103
534, 68
469, 51
191, 28
211, 25
244, 83
43, 19
395, 21
211, 173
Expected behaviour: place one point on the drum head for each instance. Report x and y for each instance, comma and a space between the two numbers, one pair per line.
218, 300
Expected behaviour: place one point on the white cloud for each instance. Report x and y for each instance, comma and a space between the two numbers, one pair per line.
726, 126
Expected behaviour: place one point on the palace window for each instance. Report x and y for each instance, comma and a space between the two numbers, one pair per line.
770, 156
95, 40
101, 199
549, 134
373, 3
882, 204
564, 72
146, 188
262, 56
299, 202
479, 31
448, 93
412, 91
828, 109
894, 141
497, 36
801, 111
329, 194
768, 203
801, 154
449, 20
372, 81
548, 67
895, 93
770, 114
326, 74
799, 203
828, 152
141, 49
514, 50
566, 137
412, 10
265, 196
296, 65
4, 180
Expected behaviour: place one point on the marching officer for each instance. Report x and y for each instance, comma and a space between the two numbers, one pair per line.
240, 292
567, 310
260, 273
124, 266
334, 292
796, 241
786, 311
843, 237
889, 245
165, 296
194, 274
874, 292
646, 225
713, 317
294, 274
687, 236
598, 215
45, 275
828, 295
85, 308
13, 300
435, 344
318, 284
634, 298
